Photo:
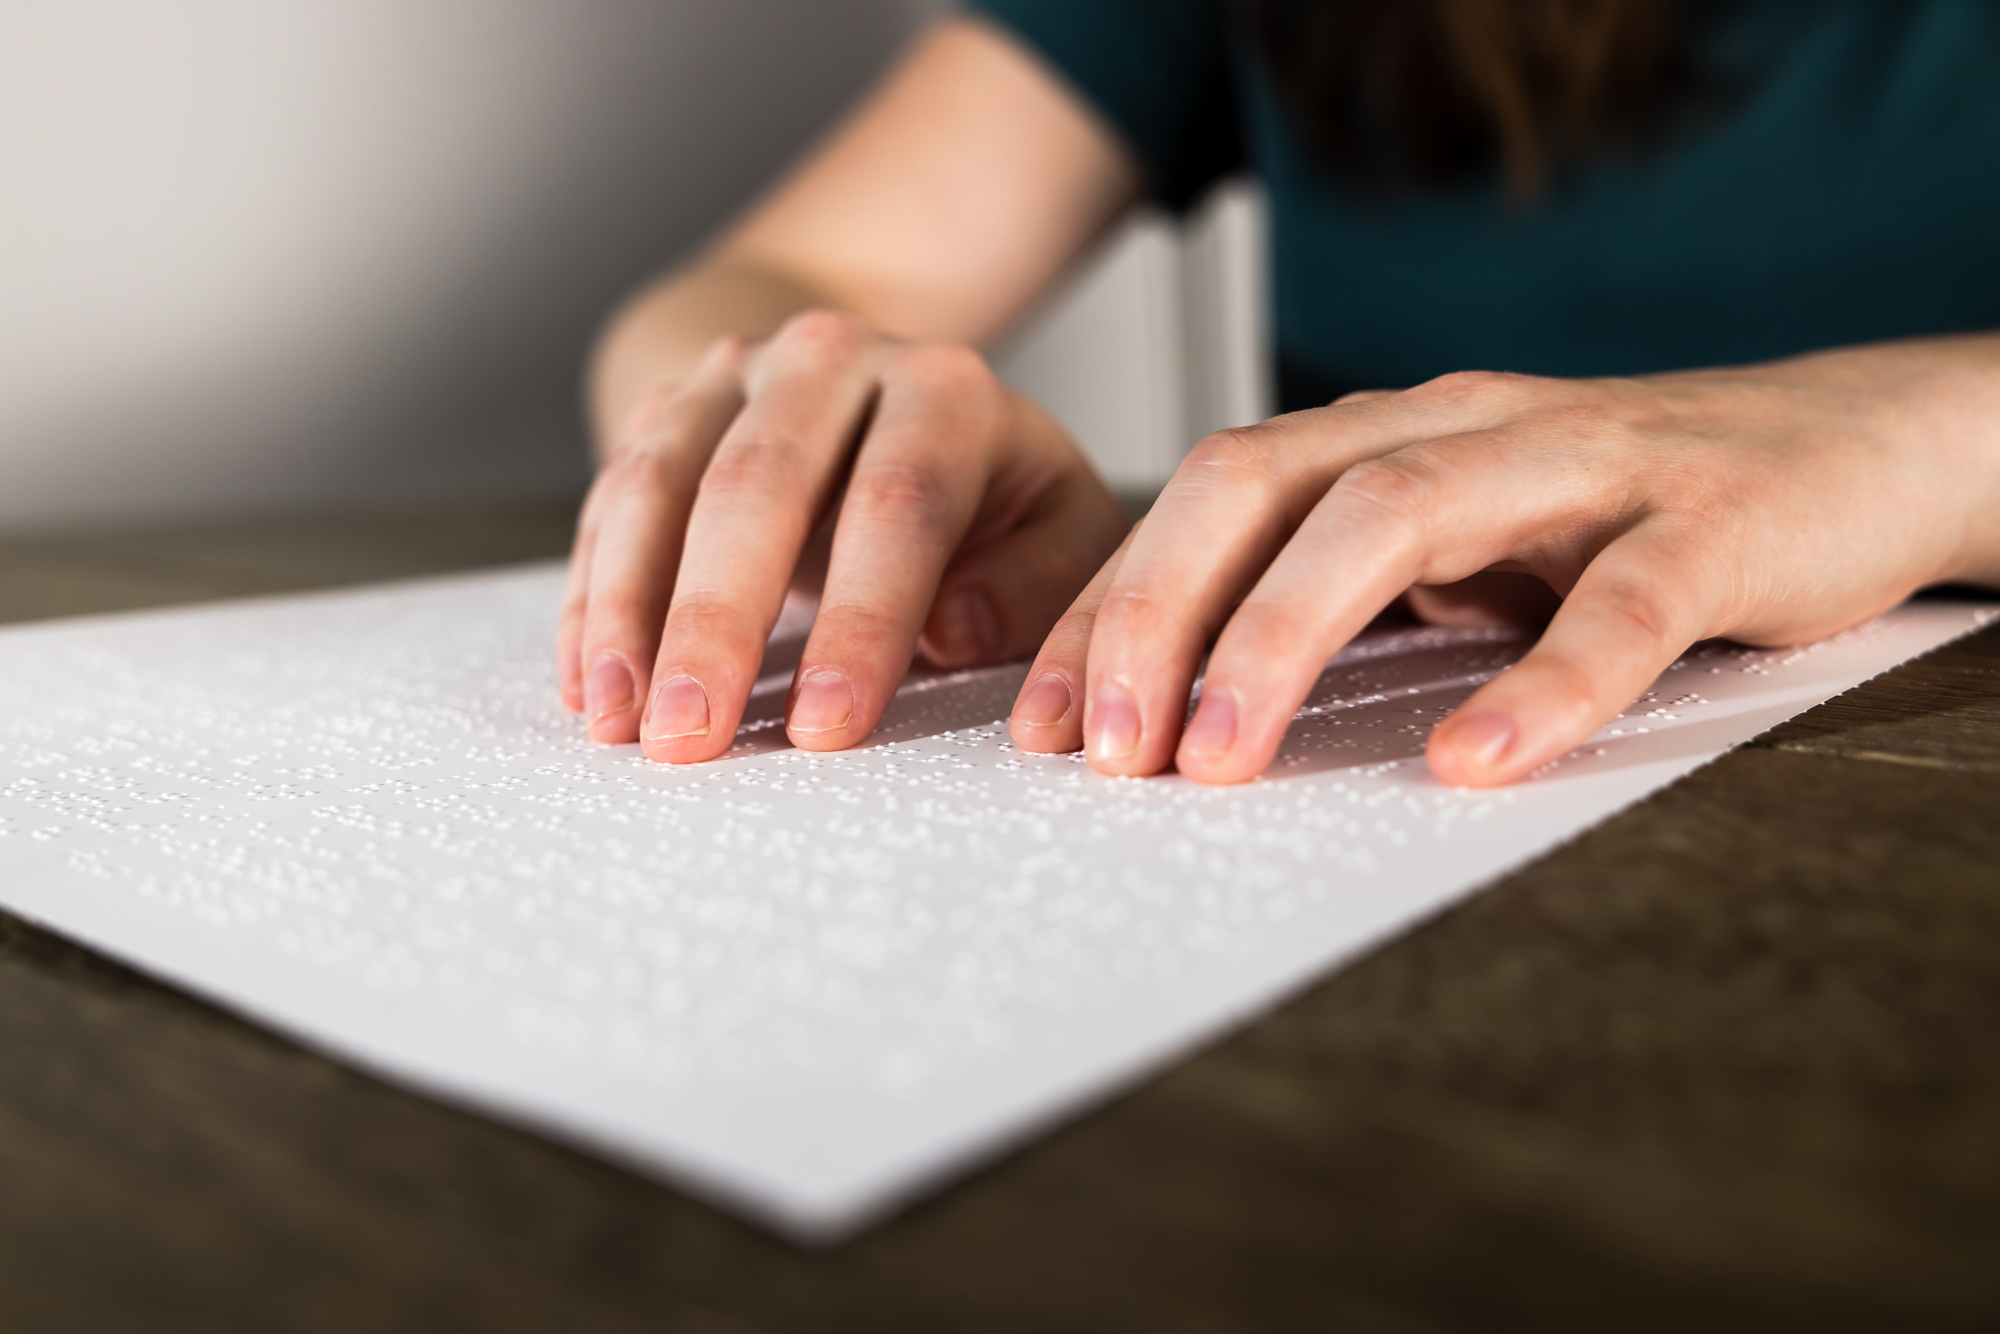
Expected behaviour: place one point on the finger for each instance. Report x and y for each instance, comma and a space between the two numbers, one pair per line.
1637, 608
808, 391
576, 581
1227, 511
643, 421
575, 597
1048, 713
1001, 599
639, 517
914, 490
1430, 513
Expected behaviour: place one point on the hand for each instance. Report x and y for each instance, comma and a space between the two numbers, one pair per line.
959, 516
1771, 504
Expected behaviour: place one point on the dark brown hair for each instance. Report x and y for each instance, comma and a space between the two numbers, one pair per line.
1395, 93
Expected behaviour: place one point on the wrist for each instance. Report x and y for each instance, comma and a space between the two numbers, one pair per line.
1960, 418
1933, 405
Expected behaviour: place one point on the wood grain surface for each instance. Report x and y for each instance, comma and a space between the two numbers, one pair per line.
1730, 1061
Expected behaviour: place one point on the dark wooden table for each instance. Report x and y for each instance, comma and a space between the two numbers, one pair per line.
1730, 1061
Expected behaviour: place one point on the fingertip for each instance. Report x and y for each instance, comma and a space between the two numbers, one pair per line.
1044, 718
694, 747
822, 714
569, 664
613, 730
1475, 748
610, 697
683, 750
1212, 772
1212, 730
1213, 749
1114, 732
681, 725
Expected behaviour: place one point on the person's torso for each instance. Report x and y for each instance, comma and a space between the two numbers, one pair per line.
1851, 193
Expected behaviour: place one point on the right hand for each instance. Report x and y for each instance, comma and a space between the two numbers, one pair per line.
961, 519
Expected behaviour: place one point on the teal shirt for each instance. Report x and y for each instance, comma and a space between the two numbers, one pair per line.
1850, 193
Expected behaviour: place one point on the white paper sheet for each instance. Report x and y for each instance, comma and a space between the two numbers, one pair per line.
808, 986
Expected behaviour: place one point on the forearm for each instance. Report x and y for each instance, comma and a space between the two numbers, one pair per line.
953, 196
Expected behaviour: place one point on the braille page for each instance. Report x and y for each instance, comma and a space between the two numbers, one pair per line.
806, 985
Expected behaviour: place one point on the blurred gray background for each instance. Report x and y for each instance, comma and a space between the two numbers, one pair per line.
265, 257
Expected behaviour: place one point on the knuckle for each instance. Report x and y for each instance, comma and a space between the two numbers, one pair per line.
945, 369
614, 608
1357, 396
1125, 611
1401, 486
1471, 384
757, 467
640, 468
898, 493
1262, 632
667, 427
1078, 626
1066, 644
822, 334
851, 622
1251, 449
643, 426
706, 618
732, 349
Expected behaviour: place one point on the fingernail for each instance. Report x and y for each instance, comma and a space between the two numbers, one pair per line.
1212, 730
965, 626
1046, 702
680, 708
825, 703
1113, 724
1482, 737
609, 687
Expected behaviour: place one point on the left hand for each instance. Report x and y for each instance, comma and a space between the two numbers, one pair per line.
1770, 504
